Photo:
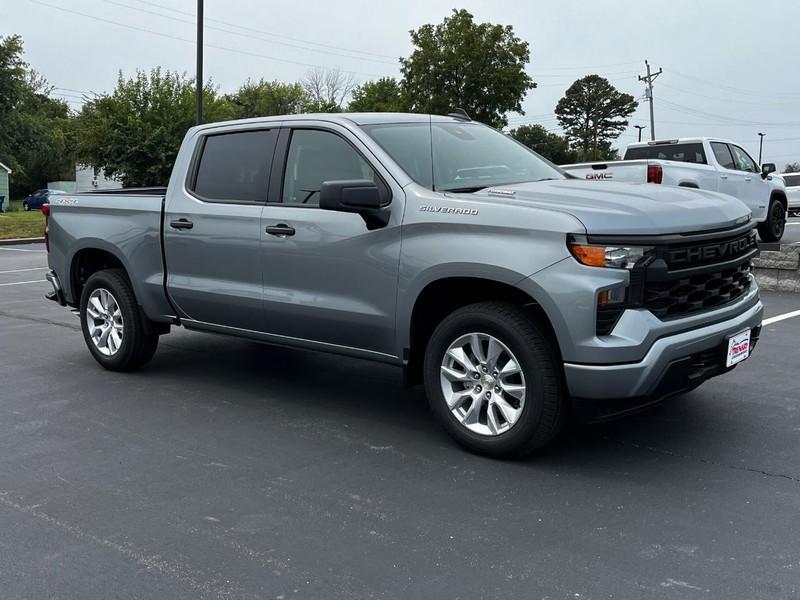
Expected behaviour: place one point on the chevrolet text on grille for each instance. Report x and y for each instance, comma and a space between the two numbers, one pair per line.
712, 251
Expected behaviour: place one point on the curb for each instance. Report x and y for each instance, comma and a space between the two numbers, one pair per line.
17, 241
778, 270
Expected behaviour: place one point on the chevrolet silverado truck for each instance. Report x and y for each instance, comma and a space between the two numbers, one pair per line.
702, 163
513, 292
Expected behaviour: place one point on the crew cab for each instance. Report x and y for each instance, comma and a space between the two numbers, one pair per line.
702, 163
434, 243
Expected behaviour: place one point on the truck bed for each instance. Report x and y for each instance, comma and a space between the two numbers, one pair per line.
126, 224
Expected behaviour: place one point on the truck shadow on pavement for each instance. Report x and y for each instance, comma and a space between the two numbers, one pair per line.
326, 393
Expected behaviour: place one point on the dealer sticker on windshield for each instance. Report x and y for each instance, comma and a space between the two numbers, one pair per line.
738, 348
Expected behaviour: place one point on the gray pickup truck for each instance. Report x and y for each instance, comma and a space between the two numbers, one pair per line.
514, 292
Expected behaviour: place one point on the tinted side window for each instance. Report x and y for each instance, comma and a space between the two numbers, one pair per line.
723, 155
235, 166
316, 156
791, 180
743, 160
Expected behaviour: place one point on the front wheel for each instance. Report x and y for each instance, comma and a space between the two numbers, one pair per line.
493, 378
113, 327
771, 230
25, 206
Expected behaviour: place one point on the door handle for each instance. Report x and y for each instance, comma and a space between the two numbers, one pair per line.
748, 178
280, 229
723, 176
181, 224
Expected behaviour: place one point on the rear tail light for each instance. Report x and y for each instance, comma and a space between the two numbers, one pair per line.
654, 174
46, 213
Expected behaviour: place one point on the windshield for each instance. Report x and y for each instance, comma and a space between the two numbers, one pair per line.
460, 157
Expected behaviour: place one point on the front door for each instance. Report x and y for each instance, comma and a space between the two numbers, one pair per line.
327, 277
754, 190
212, 230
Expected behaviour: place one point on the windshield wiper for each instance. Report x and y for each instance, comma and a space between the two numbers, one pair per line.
467, 190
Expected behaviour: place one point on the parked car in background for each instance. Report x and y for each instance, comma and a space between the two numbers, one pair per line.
704, 163
432, 243
38, 198
792, 181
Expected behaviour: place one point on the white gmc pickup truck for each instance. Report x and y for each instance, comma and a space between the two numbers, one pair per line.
704, 163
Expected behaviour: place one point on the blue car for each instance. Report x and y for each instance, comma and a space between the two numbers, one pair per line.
37, 198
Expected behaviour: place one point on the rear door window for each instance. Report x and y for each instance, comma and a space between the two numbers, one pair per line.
234, 167
723, 155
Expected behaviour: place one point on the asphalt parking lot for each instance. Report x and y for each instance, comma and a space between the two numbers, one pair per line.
227, 469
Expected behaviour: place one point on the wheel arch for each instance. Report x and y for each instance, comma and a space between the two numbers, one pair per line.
88, 259
441, 296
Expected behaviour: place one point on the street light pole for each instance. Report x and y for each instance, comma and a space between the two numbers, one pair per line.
760, 146
640, 127
199, 81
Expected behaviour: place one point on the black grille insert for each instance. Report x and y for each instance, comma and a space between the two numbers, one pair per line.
686, 295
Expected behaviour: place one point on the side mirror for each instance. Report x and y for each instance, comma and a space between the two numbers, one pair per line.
360, 196
767, 168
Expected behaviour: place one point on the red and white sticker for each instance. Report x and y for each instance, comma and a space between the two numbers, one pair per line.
738, 348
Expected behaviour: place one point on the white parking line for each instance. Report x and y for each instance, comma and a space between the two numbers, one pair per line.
23, 250
21, 270
24, 282
789, 315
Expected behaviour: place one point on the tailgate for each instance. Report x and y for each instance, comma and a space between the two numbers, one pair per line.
629, 171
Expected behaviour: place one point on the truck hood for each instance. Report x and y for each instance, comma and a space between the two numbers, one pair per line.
627, 208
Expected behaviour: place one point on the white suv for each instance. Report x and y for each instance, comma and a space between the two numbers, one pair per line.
792, 181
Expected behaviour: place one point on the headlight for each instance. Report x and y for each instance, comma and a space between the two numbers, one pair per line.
615, 257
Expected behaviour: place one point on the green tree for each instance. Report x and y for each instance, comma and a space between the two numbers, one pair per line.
382, 95
479, 67
266, 98
552, 146
593, 113
134, 133
793, 167
35, 130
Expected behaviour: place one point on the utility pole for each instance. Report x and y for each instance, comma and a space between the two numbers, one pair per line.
640, 127
649, 79
760, 146
199, 82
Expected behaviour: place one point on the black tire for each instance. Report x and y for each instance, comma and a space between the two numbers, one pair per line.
25, 206
138, 344
543, 413
771, 230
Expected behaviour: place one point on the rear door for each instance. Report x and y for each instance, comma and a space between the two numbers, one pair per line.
730, 179
328, 278
212, 229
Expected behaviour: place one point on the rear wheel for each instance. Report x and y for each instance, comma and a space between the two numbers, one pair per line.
493, 378
771, 230
113, 327
25, 206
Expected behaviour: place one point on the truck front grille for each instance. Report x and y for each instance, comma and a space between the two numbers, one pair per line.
686, 275
687, 295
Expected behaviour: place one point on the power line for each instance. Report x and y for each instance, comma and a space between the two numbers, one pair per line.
733, 89
180, 39
261, 31
247, 35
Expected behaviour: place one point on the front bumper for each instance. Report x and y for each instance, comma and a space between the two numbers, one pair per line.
673, 364
57, 295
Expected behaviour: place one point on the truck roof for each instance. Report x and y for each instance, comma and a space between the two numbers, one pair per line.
687, 140
365, 118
